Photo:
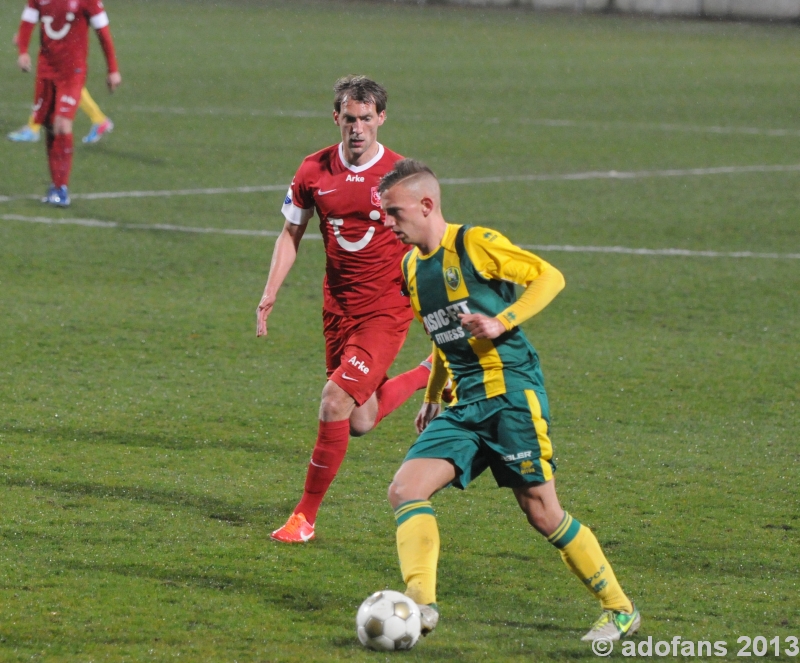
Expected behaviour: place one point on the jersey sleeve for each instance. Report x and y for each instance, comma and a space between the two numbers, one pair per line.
30, 17
495, 257
438, 377
408, 287
31, 12
96, 13
298, 206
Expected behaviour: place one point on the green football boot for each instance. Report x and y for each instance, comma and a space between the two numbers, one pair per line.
614, 625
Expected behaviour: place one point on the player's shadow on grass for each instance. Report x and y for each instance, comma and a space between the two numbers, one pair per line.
504, 554
207, 506
106, 152
284, 591
131, 438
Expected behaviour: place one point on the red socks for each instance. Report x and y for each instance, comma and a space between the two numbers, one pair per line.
333, 436
328, 455
393, 393
59, 156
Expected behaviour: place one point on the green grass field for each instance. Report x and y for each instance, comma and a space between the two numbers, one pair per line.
149, 443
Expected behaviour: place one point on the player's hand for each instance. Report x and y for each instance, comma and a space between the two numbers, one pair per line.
262, 312
427, 413
24, 62
481, 326
113, 80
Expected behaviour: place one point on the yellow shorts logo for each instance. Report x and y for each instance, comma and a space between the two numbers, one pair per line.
526, 467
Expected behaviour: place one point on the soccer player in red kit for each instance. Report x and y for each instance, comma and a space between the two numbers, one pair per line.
61, 74
365, 314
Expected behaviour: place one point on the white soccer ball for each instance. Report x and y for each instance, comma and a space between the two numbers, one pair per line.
387, 621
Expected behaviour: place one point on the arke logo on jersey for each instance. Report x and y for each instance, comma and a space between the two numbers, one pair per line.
452, 276
354, 178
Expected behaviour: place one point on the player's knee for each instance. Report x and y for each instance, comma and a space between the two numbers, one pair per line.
359, 429
395, 494
336, 404
62, 126
536, 513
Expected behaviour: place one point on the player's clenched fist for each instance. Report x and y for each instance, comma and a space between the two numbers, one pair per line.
113, 80
481, 326
427, 413
24, 62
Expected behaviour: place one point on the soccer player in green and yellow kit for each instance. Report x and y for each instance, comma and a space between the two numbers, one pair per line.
461, 284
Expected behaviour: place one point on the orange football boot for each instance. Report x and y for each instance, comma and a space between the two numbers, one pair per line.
296, 530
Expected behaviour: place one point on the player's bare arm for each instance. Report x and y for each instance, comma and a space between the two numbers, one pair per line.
283, 257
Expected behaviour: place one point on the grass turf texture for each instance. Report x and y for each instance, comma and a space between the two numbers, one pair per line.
149, 443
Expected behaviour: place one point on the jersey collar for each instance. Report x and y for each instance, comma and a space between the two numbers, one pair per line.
363, 167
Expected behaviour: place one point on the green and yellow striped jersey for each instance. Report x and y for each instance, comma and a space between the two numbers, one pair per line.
474, 271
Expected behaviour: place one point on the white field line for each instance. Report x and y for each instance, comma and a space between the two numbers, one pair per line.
544, 122
567, 248
658, 126
95, 223
499, 179
159, 193
625, 175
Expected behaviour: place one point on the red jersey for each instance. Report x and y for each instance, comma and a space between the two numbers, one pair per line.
362, 272
64, 34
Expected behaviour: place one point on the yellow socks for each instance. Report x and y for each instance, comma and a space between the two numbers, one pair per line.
33, 126
418, 549
583, 556
89, 107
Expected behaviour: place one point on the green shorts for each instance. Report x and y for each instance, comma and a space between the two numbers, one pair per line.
508, 433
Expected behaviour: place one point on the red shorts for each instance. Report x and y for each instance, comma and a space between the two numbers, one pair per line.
56, 97
359, 350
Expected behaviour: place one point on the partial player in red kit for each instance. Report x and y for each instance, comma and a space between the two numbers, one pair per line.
365, 312
61, 74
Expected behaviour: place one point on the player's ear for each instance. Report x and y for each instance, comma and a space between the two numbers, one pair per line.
336, 118
381, 117
427, 205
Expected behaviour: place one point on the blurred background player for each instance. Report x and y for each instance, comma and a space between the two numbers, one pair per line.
461, 281
61, 74
365, 313
101, 123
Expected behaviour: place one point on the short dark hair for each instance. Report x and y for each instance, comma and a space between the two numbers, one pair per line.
359, 88
402, 170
